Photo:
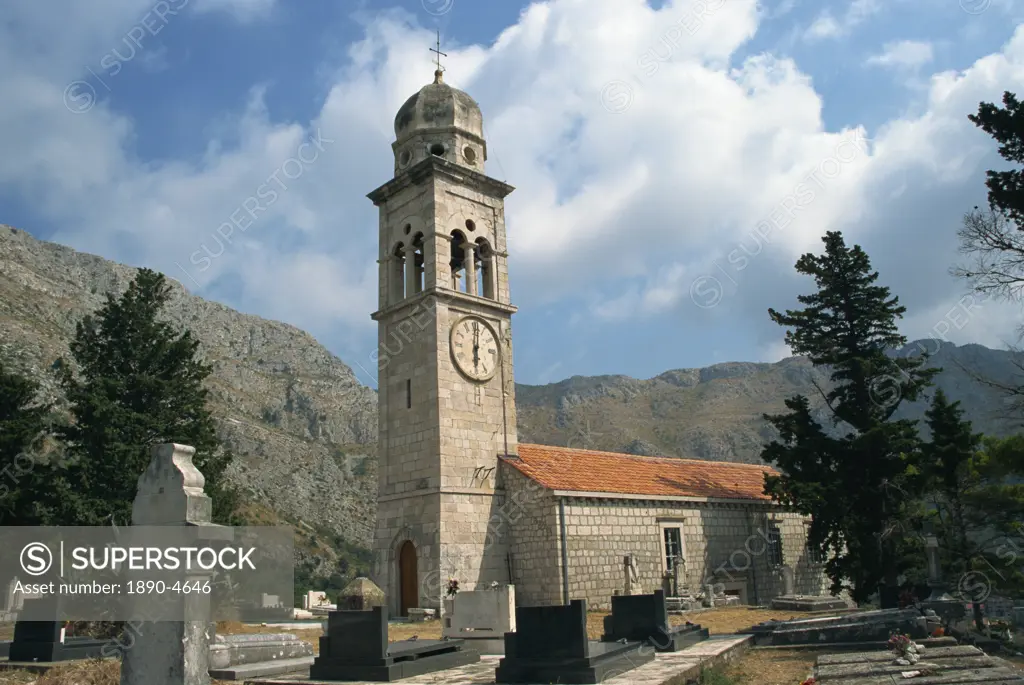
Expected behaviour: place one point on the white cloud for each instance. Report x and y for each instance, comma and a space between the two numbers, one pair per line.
827, 25
905, 54
619, 210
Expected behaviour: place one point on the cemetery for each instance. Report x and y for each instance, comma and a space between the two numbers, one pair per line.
485, 635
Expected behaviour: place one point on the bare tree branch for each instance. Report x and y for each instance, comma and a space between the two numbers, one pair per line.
995, 250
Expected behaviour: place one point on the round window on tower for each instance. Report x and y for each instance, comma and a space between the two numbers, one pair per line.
403, 157
470, 154
437, 149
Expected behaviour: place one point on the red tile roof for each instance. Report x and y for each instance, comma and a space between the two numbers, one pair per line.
563, 468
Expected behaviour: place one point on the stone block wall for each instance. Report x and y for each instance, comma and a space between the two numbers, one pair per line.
724, 543
414, 518
530, 524
469, 552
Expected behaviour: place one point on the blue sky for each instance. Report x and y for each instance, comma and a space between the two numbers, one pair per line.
652, 146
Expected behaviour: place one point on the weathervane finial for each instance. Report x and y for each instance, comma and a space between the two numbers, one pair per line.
440, 69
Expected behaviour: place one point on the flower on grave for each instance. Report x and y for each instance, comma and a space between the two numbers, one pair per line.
810, 681
939, 632
900, 645
453, 587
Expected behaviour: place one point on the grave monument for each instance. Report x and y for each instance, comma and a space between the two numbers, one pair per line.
550, 645
481, 618
171, 493
644, 619
356, 648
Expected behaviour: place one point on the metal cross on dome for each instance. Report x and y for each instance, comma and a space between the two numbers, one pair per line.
438, 51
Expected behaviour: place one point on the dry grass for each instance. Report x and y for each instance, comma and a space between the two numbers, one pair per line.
773, 666
92, 672
729, 620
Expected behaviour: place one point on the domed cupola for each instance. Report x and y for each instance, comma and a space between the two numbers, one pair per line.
442, 121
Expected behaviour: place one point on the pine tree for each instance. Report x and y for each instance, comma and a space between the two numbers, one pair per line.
22, 423
138, 382
949, 461
975, 496
1005, 125
854, 486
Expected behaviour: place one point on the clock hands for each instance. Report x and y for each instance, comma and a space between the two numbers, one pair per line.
476, 345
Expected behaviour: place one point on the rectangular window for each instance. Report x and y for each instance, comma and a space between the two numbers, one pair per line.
814, 554
673, 546
774, 551
408, 393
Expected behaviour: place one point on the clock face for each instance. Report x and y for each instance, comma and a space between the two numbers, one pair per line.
475, 348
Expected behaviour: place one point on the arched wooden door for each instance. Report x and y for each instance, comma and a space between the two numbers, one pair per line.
407, 579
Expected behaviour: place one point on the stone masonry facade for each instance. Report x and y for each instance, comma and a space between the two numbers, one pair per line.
724, 543
440, 432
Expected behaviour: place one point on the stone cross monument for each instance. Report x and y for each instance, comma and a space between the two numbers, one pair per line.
935, 580
632, 577
678, 576
170, 493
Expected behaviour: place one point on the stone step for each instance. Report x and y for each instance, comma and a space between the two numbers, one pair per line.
263, 669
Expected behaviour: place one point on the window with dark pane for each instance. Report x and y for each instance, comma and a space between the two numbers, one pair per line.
673, 546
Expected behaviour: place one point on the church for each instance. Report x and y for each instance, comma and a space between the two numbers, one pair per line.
459, 497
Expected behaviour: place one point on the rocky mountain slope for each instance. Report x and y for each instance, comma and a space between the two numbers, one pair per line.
715, 412
304, 430
302, 427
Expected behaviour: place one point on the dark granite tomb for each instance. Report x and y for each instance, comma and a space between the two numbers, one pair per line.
5, 648
356, 648
644, 618
550, 645
40, 640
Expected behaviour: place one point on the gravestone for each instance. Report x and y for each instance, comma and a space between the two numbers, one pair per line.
644, 618
864, 626
630, 575
12, 602
237, 657
360, 595
809, 603
481, 618
170, 493
788, 580
948, 665
45, 642
550, 645
316, 599
419, 614
356, 648
679, 577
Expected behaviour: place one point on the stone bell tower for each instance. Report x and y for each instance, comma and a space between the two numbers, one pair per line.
446, 394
